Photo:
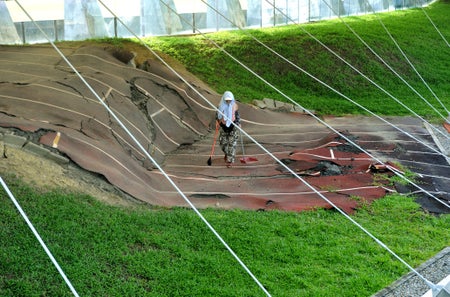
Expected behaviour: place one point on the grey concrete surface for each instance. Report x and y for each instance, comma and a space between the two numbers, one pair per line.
411, 285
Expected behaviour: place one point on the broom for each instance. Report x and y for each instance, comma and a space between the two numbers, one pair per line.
209, 162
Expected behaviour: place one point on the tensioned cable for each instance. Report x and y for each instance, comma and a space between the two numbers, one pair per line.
285, 166
38, 237
435, 27
264, 149
389, 67
323, 83
347, 98
365, 76
147, 154
304, 181
430, 284
317, 118
282, 164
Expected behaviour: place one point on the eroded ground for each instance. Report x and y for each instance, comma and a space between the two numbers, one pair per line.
45, 103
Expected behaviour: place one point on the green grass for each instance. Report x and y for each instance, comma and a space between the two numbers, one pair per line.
411, 29
141, 251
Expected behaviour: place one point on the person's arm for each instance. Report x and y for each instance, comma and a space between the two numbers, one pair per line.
237, 117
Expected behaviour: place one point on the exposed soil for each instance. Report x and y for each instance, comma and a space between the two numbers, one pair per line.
46, 175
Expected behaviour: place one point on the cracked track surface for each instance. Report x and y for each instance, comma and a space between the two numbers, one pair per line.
41, 98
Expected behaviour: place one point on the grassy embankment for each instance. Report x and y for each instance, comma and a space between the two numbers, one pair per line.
142, 251
415, 35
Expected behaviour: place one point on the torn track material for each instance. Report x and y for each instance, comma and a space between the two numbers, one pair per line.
174, 125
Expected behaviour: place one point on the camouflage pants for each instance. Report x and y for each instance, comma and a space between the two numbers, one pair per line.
228, 142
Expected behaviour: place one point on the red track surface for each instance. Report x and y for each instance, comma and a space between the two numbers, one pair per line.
41, 96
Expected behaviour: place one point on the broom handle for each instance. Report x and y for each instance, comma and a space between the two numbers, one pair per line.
242, 144
215, 137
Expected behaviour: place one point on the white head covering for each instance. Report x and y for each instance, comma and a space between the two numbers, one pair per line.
226, 108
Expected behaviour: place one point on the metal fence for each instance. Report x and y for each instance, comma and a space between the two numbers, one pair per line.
158, 17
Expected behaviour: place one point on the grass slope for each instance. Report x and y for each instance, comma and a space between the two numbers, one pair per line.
117, 251
411, 30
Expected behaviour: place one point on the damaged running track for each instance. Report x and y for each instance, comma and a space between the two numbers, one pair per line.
40, 95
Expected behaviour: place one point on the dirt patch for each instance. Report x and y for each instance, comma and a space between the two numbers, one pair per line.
45, 175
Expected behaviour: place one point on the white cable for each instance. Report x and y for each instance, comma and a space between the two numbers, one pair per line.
430, 284
38, 237
365, 76
406, 58
317, 118
440, 34
324, 84
435, 27
287, 168
147, 154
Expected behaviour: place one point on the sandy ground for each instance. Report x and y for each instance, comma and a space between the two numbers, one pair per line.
47, 175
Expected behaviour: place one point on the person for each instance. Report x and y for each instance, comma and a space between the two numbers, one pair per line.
227, 115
